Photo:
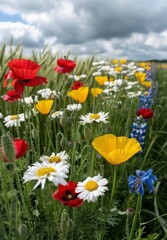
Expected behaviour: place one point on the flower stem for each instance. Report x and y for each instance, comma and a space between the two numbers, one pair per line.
114, 183
93, 163
136, 216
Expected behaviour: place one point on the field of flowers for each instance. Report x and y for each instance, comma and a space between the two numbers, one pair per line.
83, 148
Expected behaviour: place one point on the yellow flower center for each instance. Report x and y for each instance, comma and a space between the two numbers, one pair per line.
14, 117
45, 170
56, 159
94, 116
91, 185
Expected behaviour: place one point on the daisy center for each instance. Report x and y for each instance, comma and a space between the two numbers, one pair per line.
14, 117
56, 159
91, 185
94, 116
46, 170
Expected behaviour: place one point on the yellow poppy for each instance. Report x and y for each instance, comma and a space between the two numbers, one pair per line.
80, 94
145, 65
118, 69
142, 64
116, 150
126, 77
123, 61
115, 61
44, 106
140, 76
101, 79
96, 91
147, 84
148, 68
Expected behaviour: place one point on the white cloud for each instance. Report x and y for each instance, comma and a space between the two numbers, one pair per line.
21, 33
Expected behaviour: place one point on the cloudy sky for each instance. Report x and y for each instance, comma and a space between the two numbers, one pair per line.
133, 29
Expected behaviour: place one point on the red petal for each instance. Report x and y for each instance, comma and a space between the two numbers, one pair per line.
146, 113
11, 96
8, 75
76, 85
59, 69
66, 63
23, 69
73, 203
19, 87
60, 192
20, 146
35, 81
64, 66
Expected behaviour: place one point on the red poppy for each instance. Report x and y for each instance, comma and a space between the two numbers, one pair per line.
67, 195
146, 113
11, 96
20, 147
23, 72
76, 85
64, 66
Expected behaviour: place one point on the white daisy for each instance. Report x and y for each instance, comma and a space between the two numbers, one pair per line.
133, 94
109, 84
140, 69
57, 114
1, 115
96, 73
108, 91
83, 76
105, 68
29, 100
94, 117
91, 188
55, 158
74, 107
102, 62
54, 172
14, 120
76, 77
118, 82
48, 93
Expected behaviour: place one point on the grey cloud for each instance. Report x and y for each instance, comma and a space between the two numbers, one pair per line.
104, 20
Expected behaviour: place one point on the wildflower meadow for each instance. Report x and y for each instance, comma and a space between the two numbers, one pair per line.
83, 148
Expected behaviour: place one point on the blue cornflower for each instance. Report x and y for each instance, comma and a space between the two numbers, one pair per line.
136, 183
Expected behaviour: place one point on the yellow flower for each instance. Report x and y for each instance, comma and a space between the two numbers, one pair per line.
115, 61
118, 69
44, 106
101, 79
96, 91
123, 61
126, 77
142, 64
148, 67
145, 65
140, 76
116, 150
80, 94
147, 84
